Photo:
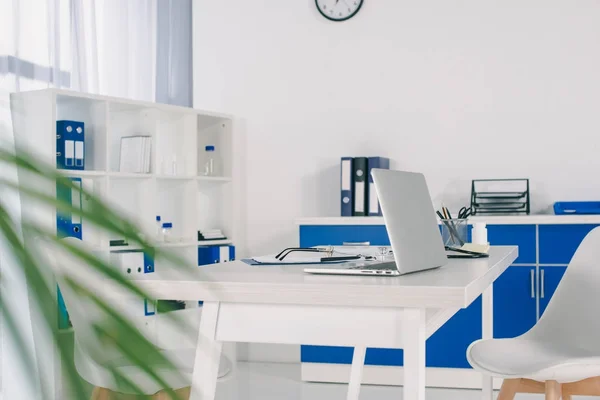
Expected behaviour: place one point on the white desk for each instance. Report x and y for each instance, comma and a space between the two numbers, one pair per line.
284, 305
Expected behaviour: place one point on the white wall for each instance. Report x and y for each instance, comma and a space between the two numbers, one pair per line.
455, 89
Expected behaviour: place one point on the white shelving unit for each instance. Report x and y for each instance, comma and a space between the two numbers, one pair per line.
176, 188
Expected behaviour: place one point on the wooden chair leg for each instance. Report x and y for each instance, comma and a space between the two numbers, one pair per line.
100, 394
553, 390
184, 394
566, 396
509, 389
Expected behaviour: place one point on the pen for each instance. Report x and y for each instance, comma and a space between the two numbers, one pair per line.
447, 223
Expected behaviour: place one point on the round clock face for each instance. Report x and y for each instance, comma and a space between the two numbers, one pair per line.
338, 10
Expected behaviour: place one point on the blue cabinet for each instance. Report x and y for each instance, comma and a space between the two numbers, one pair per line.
515, 235
558, 243
336, 235
514, 302
447, 347
549, 279
516, 292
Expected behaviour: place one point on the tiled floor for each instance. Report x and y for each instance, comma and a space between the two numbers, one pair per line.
255, 381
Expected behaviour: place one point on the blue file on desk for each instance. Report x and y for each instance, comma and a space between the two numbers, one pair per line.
70, 145
346, 186
381, 163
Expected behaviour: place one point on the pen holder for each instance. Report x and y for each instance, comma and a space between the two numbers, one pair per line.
454, 232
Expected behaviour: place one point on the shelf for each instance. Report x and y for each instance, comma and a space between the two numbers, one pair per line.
157, 245
129, 175
214, 242
175, 244
175, 177
166, 245
213, 179
75, 173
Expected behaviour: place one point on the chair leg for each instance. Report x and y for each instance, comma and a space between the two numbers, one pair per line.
509, 389
553, 390
183, 394
100, 394
160, 396
566, 396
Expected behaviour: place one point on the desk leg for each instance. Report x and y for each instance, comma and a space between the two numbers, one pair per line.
487, 330
358, 362
414, 338
208, 354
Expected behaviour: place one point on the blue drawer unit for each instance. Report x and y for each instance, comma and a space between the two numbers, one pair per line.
550, 277
558, 243
447, 347
514, 302
315, 235
515, 235
343, 355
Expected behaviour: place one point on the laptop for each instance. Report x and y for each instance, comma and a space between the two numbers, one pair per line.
411, 225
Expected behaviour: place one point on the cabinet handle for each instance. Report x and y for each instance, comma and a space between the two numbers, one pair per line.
532, 284
542, 285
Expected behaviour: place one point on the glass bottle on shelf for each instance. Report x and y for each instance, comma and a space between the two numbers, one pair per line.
209, 167
167, 227
158, 229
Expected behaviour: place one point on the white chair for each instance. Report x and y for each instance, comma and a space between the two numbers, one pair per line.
95, 358
560, 355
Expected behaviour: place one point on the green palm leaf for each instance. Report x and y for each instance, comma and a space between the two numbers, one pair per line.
22, 237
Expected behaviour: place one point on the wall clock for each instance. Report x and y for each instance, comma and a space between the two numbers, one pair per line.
338, 10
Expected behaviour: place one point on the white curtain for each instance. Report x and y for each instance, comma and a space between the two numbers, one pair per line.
139, 49
34, 54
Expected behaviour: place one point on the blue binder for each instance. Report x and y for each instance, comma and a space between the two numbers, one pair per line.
69, 225
346, 187
214, 255
381, 163
70, 145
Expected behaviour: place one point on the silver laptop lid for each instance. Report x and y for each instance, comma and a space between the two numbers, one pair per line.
410, 220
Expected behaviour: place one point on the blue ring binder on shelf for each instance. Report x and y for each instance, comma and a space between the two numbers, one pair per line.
70, 145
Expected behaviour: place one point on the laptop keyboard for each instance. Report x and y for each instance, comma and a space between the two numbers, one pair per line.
387, 266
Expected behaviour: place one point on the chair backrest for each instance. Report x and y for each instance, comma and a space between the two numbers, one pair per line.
572, 310
85, 314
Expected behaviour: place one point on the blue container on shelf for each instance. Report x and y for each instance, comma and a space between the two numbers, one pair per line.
576, 207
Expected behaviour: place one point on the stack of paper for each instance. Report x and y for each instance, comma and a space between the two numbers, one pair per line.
135, 154
211, 234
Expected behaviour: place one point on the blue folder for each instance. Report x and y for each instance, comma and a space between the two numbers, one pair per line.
70, 145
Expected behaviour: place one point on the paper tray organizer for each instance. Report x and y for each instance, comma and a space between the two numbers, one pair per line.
500, 196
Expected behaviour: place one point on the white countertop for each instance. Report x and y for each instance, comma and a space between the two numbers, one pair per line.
456, 284
535, 219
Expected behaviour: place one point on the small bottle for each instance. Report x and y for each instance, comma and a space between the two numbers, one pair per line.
158, 229
209, 167
166, 231
479, 233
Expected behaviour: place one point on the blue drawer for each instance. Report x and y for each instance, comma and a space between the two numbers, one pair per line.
446, 348
343, 355
515, 235
320, 235
558, 243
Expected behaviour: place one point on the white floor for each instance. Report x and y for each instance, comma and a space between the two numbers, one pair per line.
256, 381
